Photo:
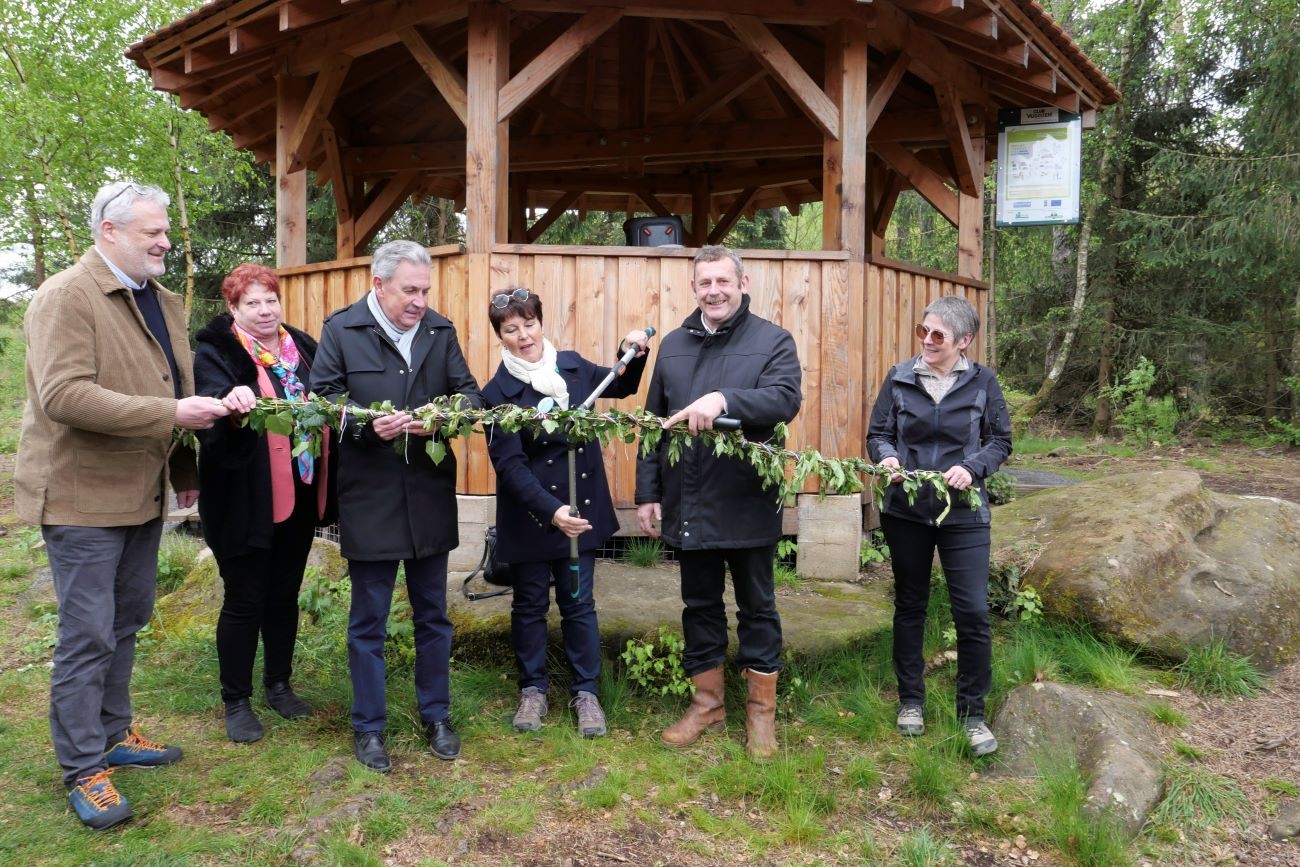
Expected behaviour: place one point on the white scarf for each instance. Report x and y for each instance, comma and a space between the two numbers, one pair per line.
402, 339
542, 374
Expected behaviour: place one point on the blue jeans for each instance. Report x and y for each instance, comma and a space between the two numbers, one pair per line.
372, 596
532, 599
964, 554
105, 579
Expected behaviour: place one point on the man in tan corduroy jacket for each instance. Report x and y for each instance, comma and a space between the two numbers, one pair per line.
108, 378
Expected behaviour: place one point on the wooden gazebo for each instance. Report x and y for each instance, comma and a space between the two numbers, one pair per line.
708, 110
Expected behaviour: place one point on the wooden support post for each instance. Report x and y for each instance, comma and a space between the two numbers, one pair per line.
970, 220
700, 201
290, 187
844, 175
487, 154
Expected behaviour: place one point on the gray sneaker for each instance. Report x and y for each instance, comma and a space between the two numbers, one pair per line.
981, 739
591, 719
532, 707
911, 720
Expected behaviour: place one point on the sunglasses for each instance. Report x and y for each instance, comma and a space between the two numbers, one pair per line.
139, 189
501, 301
934, 334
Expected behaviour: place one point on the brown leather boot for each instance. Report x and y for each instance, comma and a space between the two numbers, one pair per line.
760, 715
706, 712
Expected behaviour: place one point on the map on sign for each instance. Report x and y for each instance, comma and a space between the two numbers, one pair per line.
1038, 168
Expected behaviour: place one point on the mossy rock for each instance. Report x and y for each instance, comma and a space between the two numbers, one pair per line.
195, 604
1160, 562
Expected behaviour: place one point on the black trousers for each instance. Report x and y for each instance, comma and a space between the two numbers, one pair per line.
964, 554
704, 619
262, 599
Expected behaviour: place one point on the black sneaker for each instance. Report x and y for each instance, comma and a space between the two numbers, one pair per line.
443, 740
369, 750
242, 725
97, 802
281, 698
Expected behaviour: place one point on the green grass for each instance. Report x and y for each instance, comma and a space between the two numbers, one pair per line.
1213, 669
1166, 714
920, 848
643, 552
1085, 837
1282, 787
1029, 446
1187, 751
1196, 801
786, 578
177, 553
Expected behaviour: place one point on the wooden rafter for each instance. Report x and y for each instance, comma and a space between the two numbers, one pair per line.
297, 14
970, 177
445, 77
732, 215
651, 201
880, 93
553, 213
923, 179
384, 200
755, 35
714, 96
555, 57
317, 107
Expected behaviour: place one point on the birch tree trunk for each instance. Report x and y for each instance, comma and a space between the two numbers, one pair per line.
173, 140
1039, 400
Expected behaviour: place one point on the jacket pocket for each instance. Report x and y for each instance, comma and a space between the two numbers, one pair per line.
112, 481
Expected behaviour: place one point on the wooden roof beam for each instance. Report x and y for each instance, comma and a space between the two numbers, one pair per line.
252, 36
382, 202
554, 58
931, 60
324, 90
732, 215
755, 35
297, 14
359, 35
933, 7
1018, 24
715, 96
923, 179
880, 93
651, 201
445, 77
553, 213
969, 176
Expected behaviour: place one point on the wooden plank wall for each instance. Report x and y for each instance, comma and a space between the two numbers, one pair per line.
593, 296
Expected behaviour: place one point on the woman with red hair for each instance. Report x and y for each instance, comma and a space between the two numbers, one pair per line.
261, 496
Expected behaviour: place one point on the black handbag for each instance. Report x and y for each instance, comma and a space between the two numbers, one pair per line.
493, 571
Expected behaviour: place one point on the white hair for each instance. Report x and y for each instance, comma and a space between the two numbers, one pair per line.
114, 203
384, 262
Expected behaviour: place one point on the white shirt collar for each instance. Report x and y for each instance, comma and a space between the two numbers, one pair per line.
119, 273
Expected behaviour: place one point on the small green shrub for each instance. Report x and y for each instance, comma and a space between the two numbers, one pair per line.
920, 848
784, 576
1143, 418
643, 552
1197, 800
655, 664
1007, 595
1000, 487
318, 595
1286, 432
1213, 669
176, 556
874, 548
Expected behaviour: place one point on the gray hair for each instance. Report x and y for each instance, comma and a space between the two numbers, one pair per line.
716, 253
114, 203
384, 262
957, 313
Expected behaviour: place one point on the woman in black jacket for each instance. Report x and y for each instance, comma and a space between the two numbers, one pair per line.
533, 521
941, 411
259, 503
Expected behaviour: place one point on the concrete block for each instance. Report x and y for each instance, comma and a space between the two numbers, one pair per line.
473, 515
830, 536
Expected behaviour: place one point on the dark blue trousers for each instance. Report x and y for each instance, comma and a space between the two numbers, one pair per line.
964, 554
532, 599
372, 596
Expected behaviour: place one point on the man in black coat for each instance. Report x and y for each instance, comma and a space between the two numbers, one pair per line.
395, 504
714, 509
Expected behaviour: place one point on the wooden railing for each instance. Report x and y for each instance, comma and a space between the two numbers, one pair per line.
850, 323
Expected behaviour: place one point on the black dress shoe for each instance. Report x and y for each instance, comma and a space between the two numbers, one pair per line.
281, 698
443, 740
242, 725
369, 750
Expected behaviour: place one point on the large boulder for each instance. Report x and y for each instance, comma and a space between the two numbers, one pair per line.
1109, 737
1158, 561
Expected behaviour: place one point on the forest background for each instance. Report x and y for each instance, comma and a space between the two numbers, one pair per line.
1172, 309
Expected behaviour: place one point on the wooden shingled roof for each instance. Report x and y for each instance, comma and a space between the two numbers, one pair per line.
650, 99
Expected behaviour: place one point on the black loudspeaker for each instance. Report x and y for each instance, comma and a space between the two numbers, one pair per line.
653, 231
